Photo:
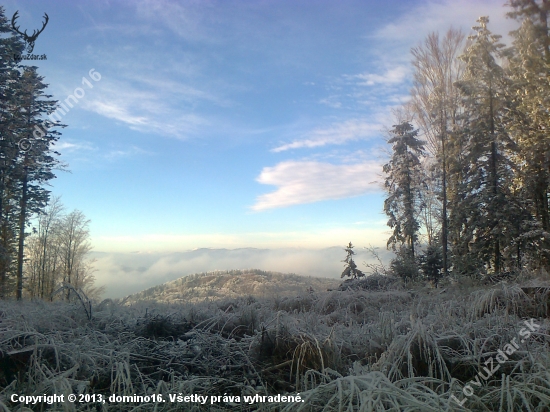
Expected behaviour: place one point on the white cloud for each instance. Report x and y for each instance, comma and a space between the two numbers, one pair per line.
392, 76
145, 110
115, 111
339, 133
331, 101
308, 182
72, 147
169, 87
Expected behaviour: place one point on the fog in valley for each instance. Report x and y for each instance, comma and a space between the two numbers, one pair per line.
127, 273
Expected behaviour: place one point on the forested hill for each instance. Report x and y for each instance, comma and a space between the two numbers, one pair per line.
231, 284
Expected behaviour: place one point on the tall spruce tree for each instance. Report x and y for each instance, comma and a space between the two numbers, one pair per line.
404, 186
10, 100
35, 161
489, 172
528, 120
538, 11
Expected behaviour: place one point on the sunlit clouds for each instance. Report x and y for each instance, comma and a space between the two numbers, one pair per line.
340, 133
394, 75
307, 182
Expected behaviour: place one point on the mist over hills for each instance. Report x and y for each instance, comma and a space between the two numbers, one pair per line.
126, 273
219, 285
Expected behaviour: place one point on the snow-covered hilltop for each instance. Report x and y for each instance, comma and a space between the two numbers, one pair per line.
232, 284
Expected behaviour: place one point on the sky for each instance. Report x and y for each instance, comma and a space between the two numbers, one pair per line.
235, 125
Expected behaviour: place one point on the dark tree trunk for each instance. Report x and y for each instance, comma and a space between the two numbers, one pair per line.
3, 252
494, 183
444, 229
20, 254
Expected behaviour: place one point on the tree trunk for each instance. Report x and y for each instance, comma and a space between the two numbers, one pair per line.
494, 183
410, 208
3, 253
444, 229
20, 254
544, 22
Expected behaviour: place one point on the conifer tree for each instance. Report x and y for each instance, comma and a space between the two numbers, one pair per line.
9, 117
538, 12
35, 162
27, 158
351, 268
431, 263
403, 184
488, 171
488, 141
528, 120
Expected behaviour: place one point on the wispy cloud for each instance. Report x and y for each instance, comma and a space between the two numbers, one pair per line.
171, 87
147, 111
186, 20
339, 133
308, 182
384, 84
170, 96
331, 101
73, 147
391, 76
381, 87
130, 152
115, 110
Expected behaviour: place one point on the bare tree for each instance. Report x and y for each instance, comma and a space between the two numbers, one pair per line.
435, 105
57, 253
42, 251
74, 246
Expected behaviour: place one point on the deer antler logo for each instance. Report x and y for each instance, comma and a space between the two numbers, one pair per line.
29, 39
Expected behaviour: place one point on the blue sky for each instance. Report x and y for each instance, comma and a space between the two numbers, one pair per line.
232, 124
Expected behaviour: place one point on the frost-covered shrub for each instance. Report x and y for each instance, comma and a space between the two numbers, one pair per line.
431, 263
372, 282
404, 265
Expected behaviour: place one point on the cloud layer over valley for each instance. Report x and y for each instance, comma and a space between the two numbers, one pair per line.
127, 273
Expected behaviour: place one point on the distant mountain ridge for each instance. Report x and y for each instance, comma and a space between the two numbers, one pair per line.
222, 284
